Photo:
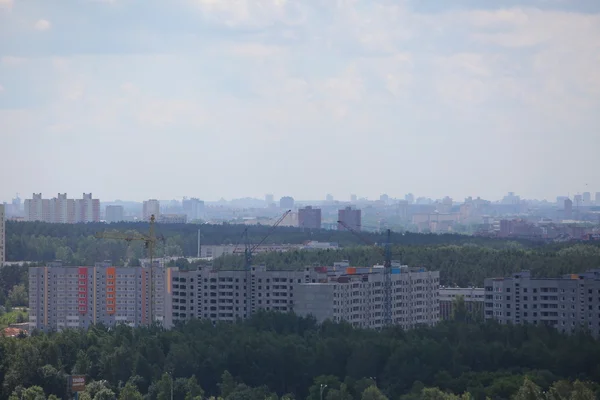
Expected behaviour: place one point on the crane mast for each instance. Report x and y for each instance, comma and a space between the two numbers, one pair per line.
248, 252
387, 272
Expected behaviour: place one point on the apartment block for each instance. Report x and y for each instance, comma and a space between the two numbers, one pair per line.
569, 303
357, 296
473, 298
61, 209
114, 213
351, 218
236, 294
2, 234
309, 218
78, 297
149, 208
338, 293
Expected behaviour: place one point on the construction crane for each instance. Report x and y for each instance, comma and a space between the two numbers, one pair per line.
248, 252
387, 272
150, 240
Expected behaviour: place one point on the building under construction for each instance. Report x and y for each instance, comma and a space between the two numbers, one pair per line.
338, 293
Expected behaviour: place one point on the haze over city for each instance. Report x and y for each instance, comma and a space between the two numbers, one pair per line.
136, 100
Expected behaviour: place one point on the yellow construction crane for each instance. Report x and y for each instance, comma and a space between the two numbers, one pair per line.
150, 240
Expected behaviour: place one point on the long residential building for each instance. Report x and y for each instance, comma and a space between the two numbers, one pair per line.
338, 294
569, 303
61, 209
356, 296
77, 297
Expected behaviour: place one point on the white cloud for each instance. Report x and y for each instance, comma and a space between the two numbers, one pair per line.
42, 25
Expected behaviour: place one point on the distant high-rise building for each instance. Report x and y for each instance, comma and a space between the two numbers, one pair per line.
37, 209
2, 235
114, 213
309, 217
351, 217
329, 197
410, 198
193, 208
149, 208
568, 209
597, 198
353, 198
384, 198
269, 199
286, 202
578, 200
61, 209
587, 198
87, 209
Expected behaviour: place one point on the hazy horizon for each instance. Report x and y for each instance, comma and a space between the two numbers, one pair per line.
133, 99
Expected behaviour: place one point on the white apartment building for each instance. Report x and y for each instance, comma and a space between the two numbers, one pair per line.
61, 209
78, 297
569, 303
149, 208
357, 297
2, 235
339, 294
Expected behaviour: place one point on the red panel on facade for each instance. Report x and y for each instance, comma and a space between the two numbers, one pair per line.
82, 289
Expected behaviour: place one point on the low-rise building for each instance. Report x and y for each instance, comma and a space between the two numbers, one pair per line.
473, 298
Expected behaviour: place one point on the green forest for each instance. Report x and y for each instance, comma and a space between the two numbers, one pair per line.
39, 241
283, 356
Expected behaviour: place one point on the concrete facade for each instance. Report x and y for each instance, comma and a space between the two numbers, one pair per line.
473, 297
78, 297
568, 304
236, 294
114, 213
62, 210
309, 218
357, 297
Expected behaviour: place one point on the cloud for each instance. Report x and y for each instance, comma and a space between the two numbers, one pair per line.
369, 76
42, 25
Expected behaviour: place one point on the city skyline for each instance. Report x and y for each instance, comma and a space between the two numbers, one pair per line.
349, 198
299, 98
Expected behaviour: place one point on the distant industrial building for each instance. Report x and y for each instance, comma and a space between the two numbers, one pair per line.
286, 202
78, 297
149, 208
114, 213
569, 303
309, 217
214, 251
354, 295
351, 217
62, 209
2, 235
473, 298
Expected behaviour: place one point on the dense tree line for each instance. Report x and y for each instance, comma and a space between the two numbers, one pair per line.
38, 241
462, 265
284, 355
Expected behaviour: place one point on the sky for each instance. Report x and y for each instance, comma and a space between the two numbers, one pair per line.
138, 99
